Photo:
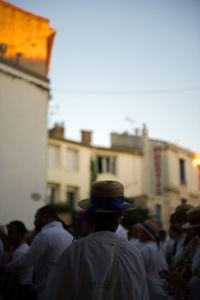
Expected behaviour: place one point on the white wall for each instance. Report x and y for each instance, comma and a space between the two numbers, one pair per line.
23, 138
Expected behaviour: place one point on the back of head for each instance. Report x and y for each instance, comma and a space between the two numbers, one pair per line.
179, 216
105, 222
19, 226
49, 211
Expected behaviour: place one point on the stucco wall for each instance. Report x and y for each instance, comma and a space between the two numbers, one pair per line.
64, 177
23, 136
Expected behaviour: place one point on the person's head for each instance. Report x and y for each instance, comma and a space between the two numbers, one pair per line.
162, 235
43, 216
106, 205
177, 219
193, 220
148, 231
179, 216
105, 221
16, 232
134, 232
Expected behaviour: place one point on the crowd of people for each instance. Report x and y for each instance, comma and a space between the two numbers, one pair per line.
101, 261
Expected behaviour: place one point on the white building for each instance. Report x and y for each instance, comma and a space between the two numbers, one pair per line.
24, 94
159, 175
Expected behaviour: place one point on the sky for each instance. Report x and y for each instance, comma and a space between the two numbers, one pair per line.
117, 64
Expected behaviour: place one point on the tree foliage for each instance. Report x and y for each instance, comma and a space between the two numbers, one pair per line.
137, 215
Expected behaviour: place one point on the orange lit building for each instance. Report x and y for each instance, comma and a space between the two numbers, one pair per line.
26, 42
28, 39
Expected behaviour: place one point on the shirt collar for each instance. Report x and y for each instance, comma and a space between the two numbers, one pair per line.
52, 224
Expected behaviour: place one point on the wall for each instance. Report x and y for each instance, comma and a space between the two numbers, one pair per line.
64, 177
23, 136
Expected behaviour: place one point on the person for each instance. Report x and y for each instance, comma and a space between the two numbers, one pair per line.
101, 265
121, 231
134, 235
153, 257
83, 226
19, 286
178, 236
46, 247
183, 280
1, 250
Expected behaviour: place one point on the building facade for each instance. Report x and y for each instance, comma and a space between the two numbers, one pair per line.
24, 94
158, 175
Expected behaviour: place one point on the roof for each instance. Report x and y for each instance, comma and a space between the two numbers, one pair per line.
25, 33
121, 150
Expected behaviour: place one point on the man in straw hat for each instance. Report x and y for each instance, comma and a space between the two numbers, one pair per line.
100, 266
153, 257
178, 236
183, 281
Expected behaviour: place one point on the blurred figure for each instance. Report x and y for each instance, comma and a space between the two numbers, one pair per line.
83, 224
1, 251
153, 257
163, 240
45, 248
176, 232
134, 235
20, 284
183, 278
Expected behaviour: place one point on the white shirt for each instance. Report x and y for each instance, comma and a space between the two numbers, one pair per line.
135, 242
25, 277
45, 249
85, 266
179, 248
154, 261
122, 232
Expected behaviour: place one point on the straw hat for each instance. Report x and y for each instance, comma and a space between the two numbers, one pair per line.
180, 213
150, 228
106, 196
193, 218
182, 209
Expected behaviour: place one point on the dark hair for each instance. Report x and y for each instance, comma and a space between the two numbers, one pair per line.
104, 221
49, 211
20, 227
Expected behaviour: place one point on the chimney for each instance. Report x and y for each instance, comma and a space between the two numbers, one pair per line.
144, 130
57, 131
86, 137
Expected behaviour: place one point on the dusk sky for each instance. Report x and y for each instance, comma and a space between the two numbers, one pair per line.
118, 64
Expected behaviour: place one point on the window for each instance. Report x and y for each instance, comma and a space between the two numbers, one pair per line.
72, 160
106, 164
53, 155
52, 193
71, 195
182, 171
158, 214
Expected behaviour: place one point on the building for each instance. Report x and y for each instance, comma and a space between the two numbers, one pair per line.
72, 165
25, 45
158, 175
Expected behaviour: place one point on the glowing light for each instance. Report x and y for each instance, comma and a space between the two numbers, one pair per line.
196, 160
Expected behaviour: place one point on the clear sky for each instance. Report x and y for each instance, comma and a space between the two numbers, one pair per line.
117, 64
